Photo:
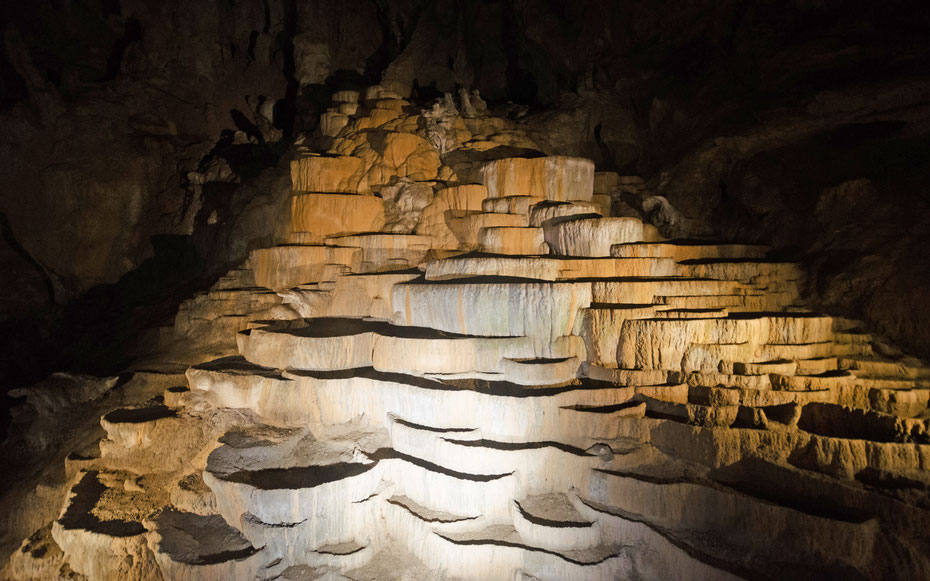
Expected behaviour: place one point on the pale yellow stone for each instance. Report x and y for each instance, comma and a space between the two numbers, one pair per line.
602, 328
511, 205
481, 145
433, 223
649, 291
539, 310
591, 236
551, 268
468, 228
332, 122
447, 205
748, 270
326, 350
376, 119
701, 343
542, 213
446, 174
365, 295
385, 251
380, 117
409, 408
281, 267
510, 240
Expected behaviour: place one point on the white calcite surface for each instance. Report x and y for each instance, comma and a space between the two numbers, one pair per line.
520, 386
592, 236
544, 213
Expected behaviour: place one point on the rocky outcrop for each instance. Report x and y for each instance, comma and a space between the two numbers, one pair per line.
99, 159
725, 109
544, 394
435, 340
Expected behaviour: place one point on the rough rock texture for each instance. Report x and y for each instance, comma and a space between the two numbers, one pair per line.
388, 321
155, 105
738, 115
589, 401
108, 140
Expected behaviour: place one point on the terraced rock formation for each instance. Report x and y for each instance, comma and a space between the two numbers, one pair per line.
479, 373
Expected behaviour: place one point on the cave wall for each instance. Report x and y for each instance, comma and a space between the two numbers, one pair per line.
805, 126
127, 119
123, 101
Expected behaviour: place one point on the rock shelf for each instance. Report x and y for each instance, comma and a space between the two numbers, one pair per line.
518, 386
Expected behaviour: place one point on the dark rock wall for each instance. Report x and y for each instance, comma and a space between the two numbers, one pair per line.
111, 110
763, 120
124, 99
803, 124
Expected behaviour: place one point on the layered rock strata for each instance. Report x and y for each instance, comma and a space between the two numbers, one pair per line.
517, 386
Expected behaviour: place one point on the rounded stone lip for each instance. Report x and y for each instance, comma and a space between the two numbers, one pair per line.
140, 415
315, 475
196, 539
297, 477
80, 511
567, 519
330, 327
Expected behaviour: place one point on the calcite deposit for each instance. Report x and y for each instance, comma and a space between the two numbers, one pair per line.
517, 386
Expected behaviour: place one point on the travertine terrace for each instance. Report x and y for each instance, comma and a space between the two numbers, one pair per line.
464, 367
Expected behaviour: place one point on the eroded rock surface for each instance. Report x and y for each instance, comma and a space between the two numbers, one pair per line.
511, 384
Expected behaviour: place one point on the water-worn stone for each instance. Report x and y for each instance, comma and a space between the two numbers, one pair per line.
559, 179
324, 215
418, 387
325, 174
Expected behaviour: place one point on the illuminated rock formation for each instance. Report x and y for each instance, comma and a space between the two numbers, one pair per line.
519, 387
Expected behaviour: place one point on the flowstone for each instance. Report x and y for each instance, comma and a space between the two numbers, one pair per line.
498, 381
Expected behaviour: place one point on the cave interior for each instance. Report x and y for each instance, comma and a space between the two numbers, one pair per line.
465, 289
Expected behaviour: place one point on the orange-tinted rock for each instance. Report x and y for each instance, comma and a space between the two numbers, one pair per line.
281, 267
324, 215
559, 179
327, 174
